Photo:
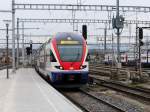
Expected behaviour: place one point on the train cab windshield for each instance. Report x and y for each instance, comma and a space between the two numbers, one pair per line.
70, 53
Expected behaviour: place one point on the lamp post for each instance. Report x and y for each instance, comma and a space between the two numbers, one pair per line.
17, 66
7, 36
7, 48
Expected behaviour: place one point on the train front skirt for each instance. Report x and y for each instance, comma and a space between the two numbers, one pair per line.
65, 78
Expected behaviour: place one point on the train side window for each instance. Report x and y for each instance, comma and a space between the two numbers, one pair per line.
52, 57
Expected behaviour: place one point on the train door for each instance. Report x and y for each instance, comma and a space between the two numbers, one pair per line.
48, 62
47, 56
44, 57
38, 59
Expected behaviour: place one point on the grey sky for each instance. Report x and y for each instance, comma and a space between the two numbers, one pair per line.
52, 28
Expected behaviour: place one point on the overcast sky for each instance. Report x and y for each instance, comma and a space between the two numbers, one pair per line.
93, 29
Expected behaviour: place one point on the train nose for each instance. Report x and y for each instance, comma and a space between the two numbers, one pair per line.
71, 65
71, 68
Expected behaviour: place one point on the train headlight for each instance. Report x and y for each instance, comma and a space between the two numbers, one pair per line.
83, 66
59, 67
71, 68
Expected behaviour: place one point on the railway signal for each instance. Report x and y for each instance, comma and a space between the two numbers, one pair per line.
28, 50
141, 37
84, 31
31, 47
140, 44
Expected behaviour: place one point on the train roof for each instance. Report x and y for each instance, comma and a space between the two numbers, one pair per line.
64, 36
68, 35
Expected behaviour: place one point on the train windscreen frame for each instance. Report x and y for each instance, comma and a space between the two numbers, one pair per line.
70, 53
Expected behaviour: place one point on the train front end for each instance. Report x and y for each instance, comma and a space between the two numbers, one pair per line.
71, 67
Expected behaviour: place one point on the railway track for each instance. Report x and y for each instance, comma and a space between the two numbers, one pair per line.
125, 73
141, 93
87, 102
75, 102
90, 103
107, 67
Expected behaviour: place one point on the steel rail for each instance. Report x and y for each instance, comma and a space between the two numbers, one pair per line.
135, 92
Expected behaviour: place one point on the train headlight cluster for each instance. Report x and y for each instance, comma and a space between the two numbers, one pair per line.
83, 66
59, 67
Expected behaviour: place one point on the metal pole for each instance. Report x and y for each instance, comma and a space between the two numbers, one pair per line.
31, 52
130, 33
147, 50
136, 46
112, 50
23, 44
118, 33
7, 50
13, 35
17, 42
105, 33
140, 67
73, 17
118, 45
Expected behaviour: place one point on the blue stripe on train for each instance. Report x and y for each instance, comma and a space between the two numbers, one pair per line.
65, 77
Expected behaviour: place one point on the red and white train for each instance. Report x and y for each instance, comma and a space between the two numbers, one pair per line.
129, 59
63, 60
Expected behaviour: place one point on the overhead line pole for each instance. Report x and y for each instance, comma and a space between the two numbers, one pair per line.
136, 43
118, 33
7, 58
23, 54
13, 35
17, 43
105, 36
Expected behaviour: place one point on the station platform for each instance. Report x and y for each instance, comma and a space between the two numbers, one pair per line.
26, 91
